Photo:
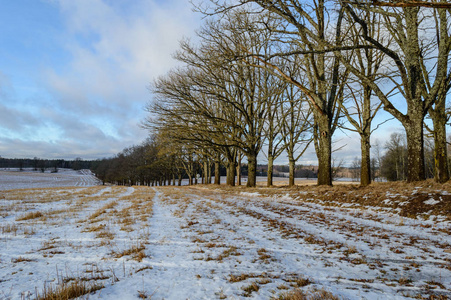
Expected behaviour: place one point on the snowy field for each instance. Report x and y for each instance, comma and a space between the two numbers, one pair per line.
15, 179
199, 243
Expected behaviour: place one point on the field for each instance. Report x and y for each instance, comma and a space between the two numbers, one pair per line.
388, 241
14, 179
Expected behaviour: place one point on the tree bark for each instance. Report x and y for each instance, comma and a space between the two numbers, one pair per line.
438, 116
270, 170
292, 167
251, 169
238, 170
365, 167
323, 147
231, 168
415, 149
217, 172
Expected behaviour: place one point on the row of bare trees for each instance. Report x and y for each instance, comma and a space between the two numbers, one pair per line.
154, 162
288, 73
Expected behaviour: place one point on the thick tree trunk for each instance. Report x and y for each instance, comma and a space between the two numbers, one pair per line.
365, 167
270, 170
440, 147
231, 168
415, 150
323, 148
292, 167
251, 169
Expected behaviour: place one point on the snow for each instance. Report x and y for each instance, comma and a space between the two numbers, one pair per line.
431, 201
15, 179
208, 244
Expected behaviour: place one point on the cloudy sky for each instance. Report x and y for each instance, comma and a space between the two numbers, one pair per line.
74, 74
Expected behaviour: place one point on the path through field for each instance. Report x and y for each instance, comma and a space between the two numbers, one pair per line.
197, 243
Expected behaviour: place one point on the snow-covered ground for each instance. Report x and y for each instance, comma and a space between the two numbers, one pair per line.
198, 243
15, 179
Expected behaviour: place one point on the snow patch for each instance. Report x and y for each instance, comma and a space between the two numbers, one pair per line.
247, 194
431, 201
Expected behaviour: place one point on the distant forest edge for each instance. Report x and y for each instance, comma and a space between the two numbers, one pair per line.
39, 164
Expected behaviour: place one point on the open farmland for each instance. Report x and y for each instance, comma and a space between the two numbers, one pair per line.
15, 179
227, 243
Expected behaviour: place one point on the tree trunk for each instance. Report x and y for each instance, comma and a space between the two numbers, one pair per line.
251, 169
438, 115
323, 148
231, 168
270, 169
217, 172
440, 148
415, 150
292, 166
209, 172
365, 167
238, 170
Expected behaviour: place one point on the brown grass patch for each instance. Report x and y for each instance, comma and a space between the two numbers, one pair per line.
298, 294
67, 291
30, 216
408, 198
136, 252
22, 259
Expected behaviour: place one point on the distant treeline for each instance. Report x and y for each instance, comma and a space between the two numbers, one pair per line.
155, 162
38, 164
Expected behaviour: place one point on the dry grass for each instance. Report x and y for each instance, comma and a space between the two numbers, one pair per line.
9, 228
22, 259
408, 198
67, 291
298, 294
30, 216
249, 289
136, 252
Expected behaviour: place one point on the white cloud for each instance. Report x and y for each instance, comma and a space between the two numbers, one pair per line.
114, 50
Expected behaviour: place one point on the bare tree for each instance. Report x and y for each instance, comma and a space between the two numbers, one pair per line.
360, 110
440, 117
296, 125
420, 56
304, 33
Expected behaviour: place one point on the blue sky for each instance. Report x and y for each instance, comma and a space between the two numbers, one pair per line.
74, 74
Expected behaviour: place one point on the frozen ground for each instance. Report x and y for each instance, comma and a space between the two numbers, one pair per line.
15, 179
198, 243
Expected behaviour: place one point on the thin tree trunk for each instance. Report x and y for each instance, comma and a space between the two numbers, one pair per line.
270, 169
238, 170
365, 167
217, 172
292, 166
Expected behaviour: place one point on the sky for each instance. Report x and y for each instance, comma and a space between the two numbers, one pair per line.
74, 74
